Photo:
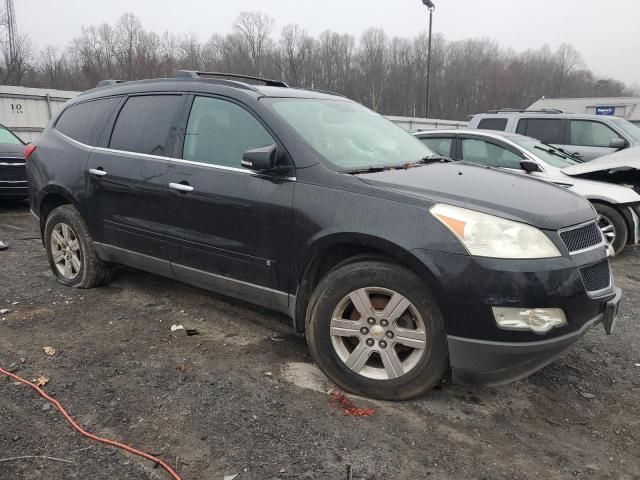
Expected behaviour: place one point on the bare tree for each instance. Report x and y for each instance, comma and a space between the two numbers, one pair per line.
255, 28
374, 64
467, 76
14, 68
295, 49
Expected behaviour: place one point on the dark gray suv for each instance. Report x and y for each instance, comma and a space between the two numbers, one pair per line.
396, 264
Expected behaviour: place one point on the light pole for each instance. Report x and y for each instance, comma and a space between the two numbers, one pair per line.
431, 7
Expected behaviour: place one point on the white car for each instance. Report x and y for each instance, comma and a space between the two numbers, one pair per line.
607, 182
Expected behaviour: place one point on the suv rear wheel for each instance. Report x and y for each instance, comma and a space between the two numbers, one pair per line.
70, 251
375, 330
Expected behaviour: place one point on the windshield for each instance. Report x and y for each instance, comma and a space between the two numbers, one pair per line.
7, 137
629, 128
544, 152
348, 135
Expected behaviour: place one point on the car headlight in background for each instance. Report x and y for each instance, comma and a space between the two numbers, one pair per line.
489, 236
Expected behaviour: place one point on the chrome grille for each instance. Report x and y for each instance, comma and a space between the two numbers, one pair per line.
596, 277
582, 238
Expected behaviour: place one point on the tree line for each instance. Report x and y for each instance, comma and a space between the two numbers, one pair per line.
387, 74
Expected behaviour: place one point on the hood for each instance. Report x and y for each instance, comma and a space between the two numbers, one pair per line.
9, 149
624, 160
504, 194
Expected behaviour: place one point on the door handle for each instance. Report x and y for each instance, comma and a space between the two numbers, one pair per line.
181, 187
97, 171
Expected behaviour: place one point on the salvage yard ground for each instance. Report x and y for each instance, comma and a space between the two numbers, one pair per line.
243, 397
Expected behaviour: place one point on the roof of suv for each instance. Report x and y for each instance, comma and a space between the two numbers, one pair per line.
538, 113
207, 82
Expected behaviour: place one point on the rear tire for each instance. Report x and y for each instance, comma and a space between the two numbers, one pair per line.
403, 353
613, 226
72, 257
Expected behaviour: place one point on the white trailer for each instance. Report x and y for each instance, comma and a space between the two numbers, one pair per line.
27, 111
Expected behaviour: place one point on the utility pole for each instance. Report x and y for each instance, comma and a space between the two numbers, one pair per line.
431, 7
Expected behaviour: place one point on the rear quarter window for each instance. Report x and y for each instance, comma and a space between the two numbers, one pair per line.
493, 124
144, 124
85, 122
547, 130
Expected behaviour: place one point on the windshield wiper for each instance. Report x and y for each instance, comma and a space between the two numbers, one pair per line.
433, 159
355, 171
423, 161
555, 151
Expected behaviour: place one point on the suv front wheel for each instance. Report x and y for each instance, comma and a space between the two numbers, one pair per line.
375, 330
70, 251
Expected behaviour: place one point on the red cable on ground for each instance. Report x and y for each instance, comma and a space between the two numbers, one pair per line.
78, 428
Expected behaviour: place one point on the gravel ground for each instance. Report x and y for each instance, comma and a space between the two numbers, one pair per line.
243, 397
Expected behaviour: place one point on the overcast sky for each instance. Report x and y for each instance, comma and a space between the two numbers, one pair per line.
607, 33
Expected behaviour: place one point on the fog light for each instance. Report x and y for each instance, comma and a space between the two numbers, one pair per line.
538, 320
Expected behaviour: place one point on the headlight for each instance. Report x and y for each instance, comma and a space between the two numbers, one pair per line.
488, 236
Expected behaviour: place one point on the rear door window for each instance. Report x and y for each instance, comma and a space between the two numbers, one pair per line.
440, 145
493, 124
85, 122
219, 132
489, 153
591, 134
144, 124
547, 130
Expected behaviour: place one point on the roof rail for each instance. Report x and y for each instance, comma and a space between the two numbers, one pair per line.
518, 110
197, 74
104, 83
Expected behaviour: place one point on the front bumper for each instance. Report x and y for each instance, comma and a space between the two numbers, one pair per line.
466, 289
496, 363
14, 189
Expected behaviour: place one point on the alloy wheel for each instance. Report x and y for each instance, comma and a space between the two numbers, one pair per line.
378, 333
65, 250
608, 229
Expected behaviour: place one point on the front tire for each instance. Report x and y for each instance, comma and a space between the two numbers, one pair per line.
613, 227
72, 258
375, 330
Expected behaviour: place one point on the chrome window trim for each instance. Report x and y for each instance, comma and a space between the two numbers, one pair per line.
2, 164
602, 243
13, 181
172, 159
4, 157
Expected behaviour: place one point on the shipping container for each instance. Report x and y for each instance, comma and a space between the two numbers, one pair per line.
27, 111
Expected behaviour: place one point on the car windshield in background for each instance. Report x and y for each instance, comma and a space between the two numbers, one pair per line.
546, 153
7, 137
628, 128
348, 135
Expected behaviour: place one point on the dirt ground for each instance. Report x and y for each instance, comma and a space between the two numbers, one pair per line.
243, 397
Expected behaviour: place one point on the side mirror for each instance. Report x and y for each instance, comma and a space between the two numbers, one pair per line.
260, 159
529, 166
618, 143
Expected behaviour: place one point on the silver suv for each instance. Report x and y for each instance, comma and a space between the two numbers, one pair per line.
584, 136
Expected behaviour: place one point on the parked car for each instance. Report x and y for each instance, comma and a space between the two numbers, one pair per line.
618, 205
394, 265
13, 177
622, 167
583, 136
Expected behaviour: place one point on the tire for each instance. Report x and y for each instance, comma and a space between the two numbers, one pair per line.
612, 222
74, 263
417, 321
